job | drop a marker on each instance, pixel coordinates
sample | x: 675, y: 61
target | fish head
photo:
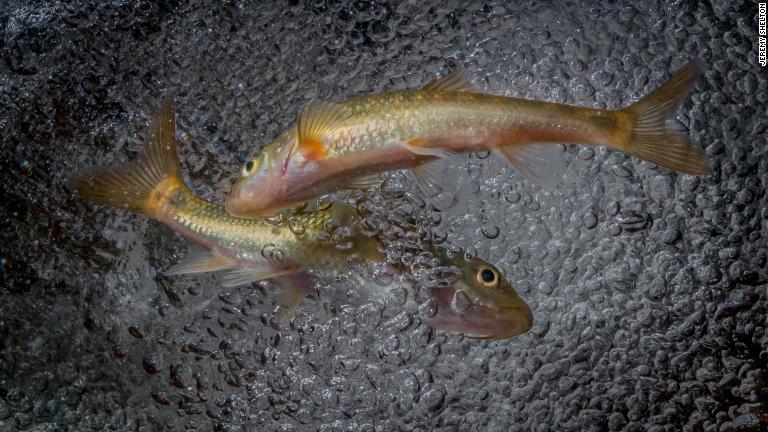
x: 265, y: 186
x: 480, y: 303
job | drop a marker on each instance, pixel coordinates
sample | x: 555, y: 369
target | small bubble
x: 590, y: 220
x: 277, y: 219
x: 152, y: 363
x: 586, y: 153
x: 428, y: 308
x: 272, y: 252
x: 490, y: 232
x: 512, y: 197
x: 433, y: 397
x: 296, y: 226
x: 460, y: 302
x: 135, y: 332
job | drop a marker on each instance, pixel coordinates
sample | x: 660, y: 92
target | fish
x: 247, y: 250
x: 347, y: 145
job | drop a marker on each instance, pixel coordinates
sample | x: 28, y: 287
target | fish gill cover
x: 647, y: 287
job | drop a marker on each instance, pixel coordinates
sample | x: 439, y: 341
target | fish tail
x: 650, y: 136
x: 145, y: 184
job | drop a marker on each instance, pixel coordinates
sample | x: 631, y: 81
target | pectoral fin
x: 246, y: 275
x: 426, y: 147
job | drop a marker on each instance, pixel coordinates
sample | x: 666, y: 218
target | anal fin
x: 427, y: 178
x: 543, y: 164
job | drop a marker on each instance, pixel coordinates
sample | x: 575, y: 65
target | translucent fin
x: 543, y: 164
x: 199, y: 262
x: 294, y: 287
x: 343, y: 213
x: 422, y: 147
x: 458, y: 80
x: 315, y: 120
x: 351, y: 288
x: 365, y: 182
x: 427, y: 178
x: 246, y: 275
x: 143, y: 184
x: 652, y: 140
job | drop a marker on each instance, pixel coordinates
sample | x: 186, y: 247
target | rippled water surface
x: 648, y: 287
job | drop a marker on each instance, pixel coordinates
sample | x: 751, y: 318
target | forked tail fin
x: 144, y: 184
x: 652, y: 139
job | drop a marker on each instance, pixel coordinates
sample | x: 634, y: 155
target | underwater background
x: 648, y: 287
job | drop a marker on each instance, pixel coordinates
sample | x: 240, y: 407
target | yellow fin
x: 144, y: 184
x: 457, y: 80
x: 199, y: 262
x: 652, y: 140
x: 315, y: 120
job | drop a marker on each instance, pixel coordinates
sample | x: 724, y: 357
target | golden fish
x: 342, y: 145
x: 255, y: 249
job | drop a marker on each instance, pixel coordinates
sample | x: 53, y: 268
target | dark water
x: 648, y: 287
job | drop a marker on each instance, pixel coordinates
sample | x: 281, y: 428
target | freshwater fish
x: 343, y: 145
x: 249, y: 250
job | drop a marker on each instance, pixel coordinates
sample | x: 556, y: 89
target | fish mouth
x: 250, y: 199
x: 234, y: 202
x: 483, y: 321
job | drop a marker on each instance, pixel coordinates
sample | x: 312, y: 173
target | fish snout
x: 236, y: 203
x: 513, y: 321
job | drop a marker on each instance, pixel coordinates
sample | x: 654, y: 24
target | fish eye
x: 487, y: 276
x: 250, y: 166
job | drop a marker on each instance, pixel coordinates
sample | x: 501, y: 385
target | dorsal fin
x: 458, y: 80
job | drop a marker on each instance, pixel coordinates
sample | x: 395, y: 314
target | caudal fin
x: 143, y: 184
x: 651, y: 137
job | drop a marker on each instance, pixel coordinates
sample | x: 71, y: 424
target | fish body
x: 341, y: 145
x: 319, y: 245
